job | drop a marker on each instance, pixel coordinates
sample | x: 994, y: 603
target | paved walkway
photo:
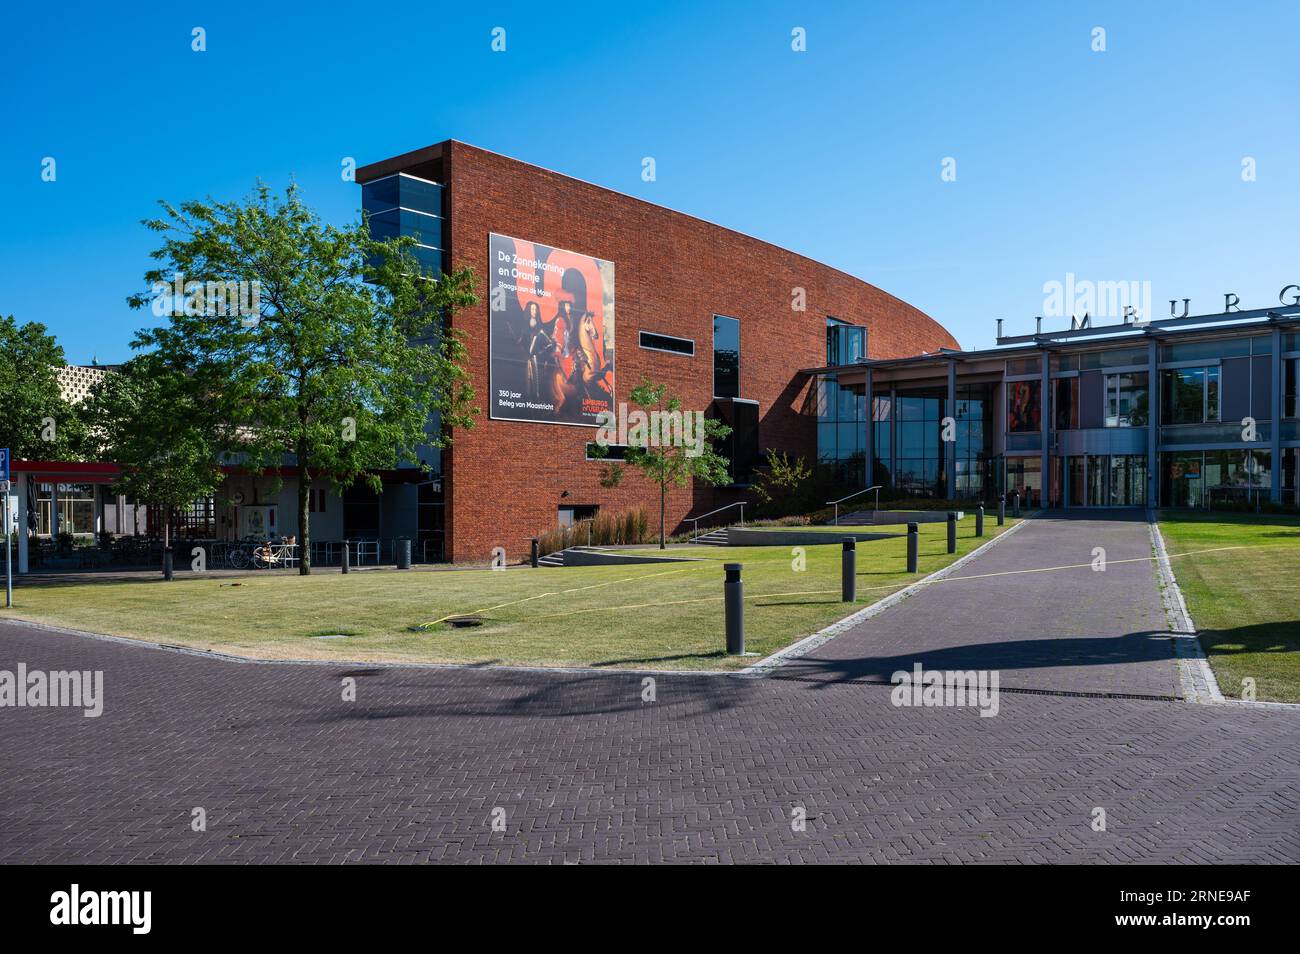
x: 1035, y: 609
x: 584, y: 770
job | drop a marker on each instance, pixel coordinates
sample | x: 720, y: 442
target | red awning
x: 68, y: 471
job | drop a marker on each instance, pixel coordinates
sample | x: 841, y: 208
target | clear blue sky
x: 1116, y: 166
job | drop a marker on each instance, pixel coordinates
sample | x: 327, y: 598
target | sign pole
x: 9, y: 554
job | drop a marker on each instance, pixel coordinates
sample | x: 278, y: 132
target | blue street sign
x: 4, y: 463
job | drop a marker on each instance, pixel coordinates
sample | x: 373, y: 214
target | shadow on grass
x: 826, y: 602
x: 1279, y: 637
x: 629, y: 661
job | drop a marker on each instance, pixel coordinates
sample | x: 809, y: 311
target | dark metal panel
x: 1092, y: 400
x: 1261, y: 387
x: 1234, y: 395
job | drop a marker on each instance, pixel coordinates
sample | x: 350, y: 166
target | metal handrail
x: 696, y: 520
x: 875, y: 510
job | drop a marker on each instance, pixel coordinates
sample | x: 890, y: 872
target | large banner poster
x: 551, y: 348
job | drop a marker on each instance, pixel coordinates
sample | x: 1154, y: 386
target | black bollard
x: 734, y: 601
x: 533, y: 559
x: 979, y: 520
x: 849, y: 571
x: 403, y: 554
x: 1002, y: 510
x: 347, y: 557
x: 167, y: 563
x: 1015, y: 505
x: 952, y: 531
x: 913, y: 530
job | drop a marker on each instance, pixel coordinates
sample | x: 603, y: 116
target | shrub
x: 607, y: 528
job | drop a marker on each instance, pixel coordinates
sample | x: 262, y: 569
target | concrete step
x: 714, y: 538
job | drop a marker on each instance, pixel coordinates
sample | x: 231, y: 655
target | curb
x: 1199, y: 683
x: 769, y: 664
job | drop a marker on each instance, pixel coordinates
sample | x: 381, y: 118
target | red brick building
x: 674, y: 282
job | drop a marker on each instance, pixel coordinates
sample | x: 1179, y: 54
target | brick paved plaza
x: 712, y: 771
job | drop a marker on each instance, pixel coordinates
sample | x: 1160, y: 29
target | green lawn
x: 1244, y: 601
x: 656, y: 616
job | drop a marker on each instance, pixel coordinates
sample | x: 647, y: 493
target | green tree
x: 340, y: 364
x: 35, y: 422
x: 784, y: 477
x: 663, y: 453
x: 151, y: 421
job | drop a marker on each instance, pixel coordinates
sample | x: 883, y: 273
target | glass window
x: 1076, y: 481
x: 425, y: 229
x: 845, y: 343
x: 1190, y: 395
x: 1024, y: 476
x: 1098, y: 486
x: 1122, y: 358
x: 1200, y: 350
x: 852, y: 399
x: 1128, y: 480
x: 1290, y: 471
x: 827, y: 397
x: 420, y: 194
x: 1066, y: 403
x: 826, y: 442
x: 658, y: 342
x: 379, y: 195
x: 1126, y: 399
x: 1024, y: 412
x: 726, y: 357
x: 76, y: 508
x: 1024, y: 366
x: 1181, y: 479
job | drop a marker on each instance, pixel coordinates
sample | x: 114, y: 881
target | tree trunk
x: 663, y: 494
x: 304, y: 526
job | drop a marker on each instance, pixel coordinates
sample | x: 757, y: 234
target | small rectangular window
x: 609, y: 452
x: 657, y: 342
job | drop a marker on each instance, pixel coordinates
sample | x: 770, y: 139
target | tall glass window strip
x: 726, y: 357
x: 974, y: 444
x: 919, y: 461
x: 841, y: 429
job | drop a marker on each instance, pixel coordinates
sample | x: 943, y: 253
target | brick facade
x: 673, y: 273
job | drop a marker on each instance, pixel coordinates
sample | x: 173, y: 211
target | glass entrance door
x: 1107, y: 480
